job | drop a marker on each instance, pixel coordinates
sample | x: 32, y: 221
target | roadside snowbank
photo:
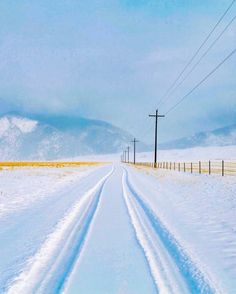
x: 21, y: 187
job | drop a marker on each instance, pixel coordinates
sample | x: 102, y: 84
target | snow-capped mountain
x: 220, y: 137
x: 52, y: 137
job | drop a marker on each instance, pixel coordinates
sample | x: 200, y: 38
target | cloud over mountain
x: 50, y: 137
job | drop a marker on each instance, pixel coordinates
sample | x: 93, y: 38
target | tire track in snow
x: 172, y: 269
x: 48, y: 270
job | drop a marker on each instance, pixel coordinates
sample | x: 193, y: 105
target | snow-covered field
x: 116, y: 229
x: 192, y: 154
x: 178, y: 155
x: 22, y: 187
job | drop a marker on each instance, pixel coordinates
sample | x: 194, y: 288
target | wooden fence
x: 220, y: 167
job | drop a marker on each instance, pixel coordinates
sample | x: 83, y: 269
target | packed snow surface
x: 116, y: 229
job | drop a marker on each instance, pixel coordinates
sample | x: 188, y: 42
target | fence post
x: 184, y: 167
x: 223, y: 168
x: 209, y: 167
x: 191, y: 167
x: 179, y: 166
x: 200, y: 167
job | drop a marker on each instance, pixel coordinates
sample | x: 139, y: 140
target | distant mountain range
x: 219, y: 137
x: 42, y: 137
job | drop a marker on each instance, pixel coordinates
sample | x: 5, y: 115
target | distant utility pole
x: 125, y: 155
x: 134, y: 141
x: 156, y: 116
x: 128, y: 152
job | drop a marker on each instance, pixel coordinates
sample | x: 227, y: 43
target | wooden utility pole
x: 134, y: 141
x: 156, y: 121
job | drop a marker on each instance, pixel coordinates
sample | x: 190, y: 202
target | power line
x: 201, y: 58
x: 202, y: 81
x: 197, y: 51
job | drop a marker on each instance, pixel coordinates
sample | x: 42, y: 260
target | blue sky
x: 114, y: 60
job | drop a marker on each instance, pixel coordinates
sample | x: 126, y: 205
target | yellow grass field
x: 47, y: 164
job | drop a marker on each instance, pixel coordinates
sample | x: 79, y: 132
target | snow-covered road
x: 120, y: 229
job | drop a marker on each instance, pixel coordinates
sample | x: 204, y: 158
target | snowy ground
x: 21, y: 187
x: 192, y: 154
x: 178, y: 155
x: 116, y: 229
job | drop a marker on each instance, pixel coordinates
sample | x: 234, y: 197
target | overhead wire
x: 173, y: 86
x: 197, y: 51
x: 201, y: 81
x: 200, y: 59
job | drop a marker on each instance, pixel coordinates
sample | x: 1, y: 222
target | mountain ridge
x: 44, y: 137
x: 223, y: 136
